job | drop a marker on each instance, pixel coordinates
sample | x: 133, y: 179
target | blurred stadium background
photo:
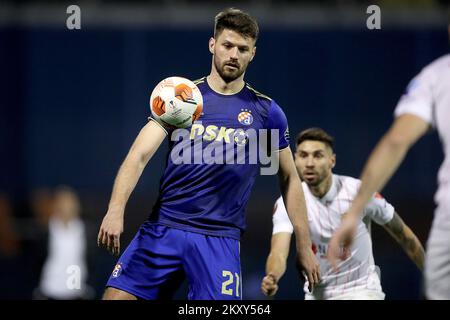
x: 72, y: 102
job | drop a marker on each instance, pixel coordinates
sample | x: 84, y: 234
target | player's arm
x: 407, y: 240
x: 294, y: 201
x: 381, y: 165
x: 147, y: 142
x: 276, y: 262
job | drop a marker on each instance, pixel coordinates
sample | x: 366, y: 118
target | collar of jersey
x: 331, y: 194
x: 222, y: 94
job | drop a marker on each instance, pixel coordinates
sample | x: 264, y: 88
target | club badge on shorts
x: 117, y: 270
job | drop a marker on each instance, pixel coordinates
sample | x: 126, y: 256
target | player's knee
x: 117, y: 294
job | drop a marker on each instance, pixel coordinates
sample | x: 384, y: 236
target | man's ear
x: 333, y: 160
x: 253, y: 53
x: 211, y: 44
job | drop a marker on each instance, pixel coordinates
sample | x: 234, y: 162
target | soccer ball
x: 176, y: 102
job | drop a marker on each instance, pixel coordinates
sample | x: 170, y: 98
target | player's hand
x: 341, y: 241
x: 269, y: 285
x: 110, y: 231
x: 309, y: 266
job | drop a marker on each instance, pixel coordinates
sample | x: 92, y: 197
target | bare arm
x: 382, y: 163
x: 294, y: 200
x: 407, y: 240
x: 276, y: 262
x: 147, y: 142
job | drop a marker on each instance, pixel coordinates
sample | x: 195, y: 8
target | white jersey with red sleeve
x: 428, y: 97
x: 356, y: 274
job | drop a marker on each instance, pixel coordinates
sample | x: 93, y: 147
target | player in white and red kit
x: 328, y: 196
x: 425, y: 105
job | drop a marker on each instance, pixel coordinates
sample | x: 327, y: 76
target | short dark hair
x: 316, y: 134
x: 236, y: 20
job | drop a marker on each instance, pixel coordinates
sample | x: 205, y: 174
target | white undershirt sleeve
x: 379, y: 210
x: 280, y: 219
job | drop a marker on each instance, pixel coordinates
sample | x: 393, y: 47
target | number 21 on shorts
x: 231, y: 284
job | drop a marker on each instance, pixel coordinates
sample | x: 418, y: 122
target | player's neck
x: 216, y: 83
x: 322, y: 189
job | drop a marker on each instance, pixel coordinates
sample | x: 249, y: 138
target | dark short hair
x: 316, y: 134
x: 236, y: 20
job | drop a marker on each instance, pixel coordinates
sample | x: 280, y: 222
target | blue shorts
x: 159, y: 258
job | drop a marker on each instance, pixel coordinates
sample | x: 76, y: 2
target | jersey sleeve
x: 280, y: 219
x: 379, y: 210
x: 418, y: 98
x: 277, y: 121
x: 167, y: 130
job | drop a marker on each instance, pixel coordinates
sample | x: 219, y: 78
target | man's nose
x: 309, y: 162
x: 234, y: 53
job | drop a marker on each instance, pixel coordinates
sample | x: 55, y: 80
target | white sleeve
x: 418, y: 98
x: 379, y: 210
x: 281, y: 221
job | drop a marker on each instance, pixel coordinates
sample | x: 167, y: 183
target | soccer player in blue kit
x: 195, y: 226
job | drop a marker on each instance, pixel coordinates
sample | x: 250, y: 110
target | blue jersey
x: 210, y: 198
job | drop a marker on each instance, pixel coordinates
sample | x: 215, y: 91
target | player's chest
x: 227, y: 120
x: 234, y: 113
x: 325, y: 217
